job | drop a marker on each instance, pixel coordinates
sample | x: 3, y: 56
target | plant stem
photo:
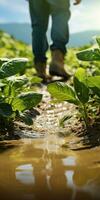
x: 85, y: 116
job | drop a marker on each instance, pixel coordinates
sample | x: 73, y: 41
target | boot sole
x: 53, y: 73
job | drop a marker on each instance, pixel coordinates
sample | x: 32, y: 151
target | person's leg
x: 39, y: 13
x: 60, y: 36
x: 60, y: 12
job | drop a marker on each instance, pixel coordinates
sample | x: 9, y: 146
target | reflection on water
x: 69, y: 161
x: 24, y: 174
x: 40, y: 169
x: 69, y: 177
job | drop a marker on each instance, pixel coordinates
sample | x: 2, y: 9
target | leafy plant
x: 79, y: 94
x: 82, y: 92
x: 12, y: 67
x: 91, y: 56
x: 94, y: 84
x: 15, y: 94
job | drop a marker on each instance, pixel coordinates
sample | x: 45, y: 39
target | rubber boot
x: 57, y: 65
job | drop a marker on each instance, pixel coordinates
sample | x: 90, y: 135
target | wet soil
x: 47, y: 120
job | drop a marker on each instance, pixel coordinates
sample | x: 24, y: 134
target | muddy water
x: 40, y: 169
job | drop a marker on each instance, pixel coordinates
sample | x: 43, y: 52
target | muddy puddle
x: 40, y: 169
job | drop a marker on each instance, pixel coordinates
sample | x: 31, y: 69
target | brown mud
x: 47, y: 120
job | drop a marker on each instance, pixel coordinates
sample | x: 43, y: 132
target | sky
x: 85, y: 16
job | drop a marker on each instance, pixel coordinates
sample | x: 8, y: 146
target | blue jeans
x: 40, y: 10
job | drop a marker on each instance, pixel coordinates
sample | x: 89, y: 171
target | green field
x: 19, y: 85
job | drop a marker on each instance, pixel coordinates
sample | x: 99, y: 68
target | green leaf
x: 94, y: 84
x: 6, y: 90
x: 36, y: 79
x: 2, y: 84
x: 80, y: 85
x: 2, y: 74
x: 98, y: 40
x: 63, y: 119
x: 26, y: 101
x: 18, y: 82
x: 62, y: 92
x: 96, y: 72
x: 3, y: 60
x: 5, y: 110
x: 26, y: 118
x: 89, y: 55
x: 13, y: 67
x: 14, y: 85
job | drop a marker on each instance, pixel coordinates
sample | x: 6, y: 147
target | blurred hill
x: 11, y: 47
x: 22, y: 31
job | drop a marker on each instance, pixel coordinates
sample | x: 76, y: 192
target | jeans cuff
x: 62, y: 49
x: 42, y: 59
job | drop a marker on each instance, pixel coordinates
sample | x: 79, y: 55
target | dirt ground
x: 47, y: 120
x: 47, y: 116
